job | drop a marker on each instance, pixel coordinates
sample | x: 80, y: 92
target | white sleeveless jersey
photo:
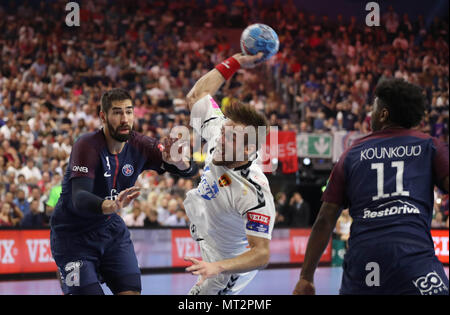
x: 228, y: 204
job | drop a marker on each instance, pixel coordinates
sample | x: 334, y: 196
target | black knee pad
x: 130, y: 282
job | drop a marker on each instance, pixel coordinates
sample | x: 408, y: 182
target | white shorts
x: 222, y: 284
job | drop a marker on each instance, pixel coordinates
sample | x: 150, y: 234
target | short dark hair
x: 405, y: 101
x: 246, y: 115
x: 113, y: 95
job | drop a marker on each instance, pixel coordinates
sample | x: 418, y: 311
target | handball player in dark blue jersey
x: 386, y: 179
x: 89, y: 240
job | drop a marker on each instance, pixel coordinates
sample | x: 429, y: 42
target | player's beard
x: 115, y: 132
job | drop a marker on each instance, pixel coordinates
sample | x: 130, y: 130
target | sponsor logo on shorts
x: 224, y: 180
x: 127, y: 170
x: 430, y: 284
x: 258, y: 222
x: 391, y: 208
x: 73, y: 265
x: 72, y: 269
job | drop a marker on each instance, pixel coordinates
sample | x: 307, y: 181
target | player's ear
x: 384, y: 115
x: 102, y: 116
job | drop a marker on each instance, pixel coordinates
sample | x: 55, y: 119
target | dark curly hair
x: 405, y: 101
x: 113, y: 95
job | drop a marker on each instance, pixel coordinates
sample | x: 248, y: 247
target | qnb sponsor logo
x: 390, y: 152
x: 430, y: 284
x: 6, y: 252
x: 82, y: 169
x: 391, y: 208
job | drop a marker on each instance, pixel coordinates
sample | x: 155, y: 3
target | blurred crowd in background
x: 322, y: 80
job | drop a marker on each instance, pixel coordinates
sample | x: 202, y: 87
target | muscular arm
x: 83, y: 198
x: 207, y: 84
x: 319, y: 238
x: 213, y: 80
x: 86, y: 202
x: 256, y: 258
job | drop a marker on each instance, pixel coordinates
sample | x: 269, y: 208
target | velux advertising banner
x: 28, y: 251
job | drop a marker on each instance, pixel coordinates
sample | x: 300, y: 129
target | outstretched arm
x: 256, y: 258
x: 85, y: 201
x: 213, y: 80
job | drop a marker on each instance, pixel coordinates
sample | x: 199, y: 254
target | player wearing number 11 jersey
x: 386, y: 179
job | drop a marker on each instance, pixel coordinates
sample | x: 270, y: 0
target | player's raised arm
x: 213, y: 80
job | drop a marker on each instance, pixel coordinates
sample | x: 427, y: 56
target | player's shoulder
x: 205, y: 100
x: 94, y: 139
x: 136, y: 136
x: 138, y: 139
x: 393, y: 133
x: 254, y: 174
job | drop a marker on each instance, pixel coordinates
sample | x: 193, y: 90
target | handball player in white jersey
x: 232, y: 210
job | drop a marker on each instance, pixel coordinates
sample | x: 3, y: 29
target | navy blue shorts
x: 102, y: 255
x: 394, y: 269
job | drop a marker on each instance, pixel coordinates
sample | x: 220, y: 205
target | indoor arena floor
x: 266, y: 282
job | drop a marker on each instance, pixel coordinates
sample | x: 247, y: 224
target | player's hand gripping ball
x: 259, y: 38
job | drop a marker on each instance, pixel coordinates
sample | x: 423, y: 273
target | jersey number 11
x: 400, y: 166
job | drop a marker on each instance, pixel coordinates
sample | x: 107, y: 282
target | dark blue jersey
x: 386, y: 179
x: 111, y: 173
